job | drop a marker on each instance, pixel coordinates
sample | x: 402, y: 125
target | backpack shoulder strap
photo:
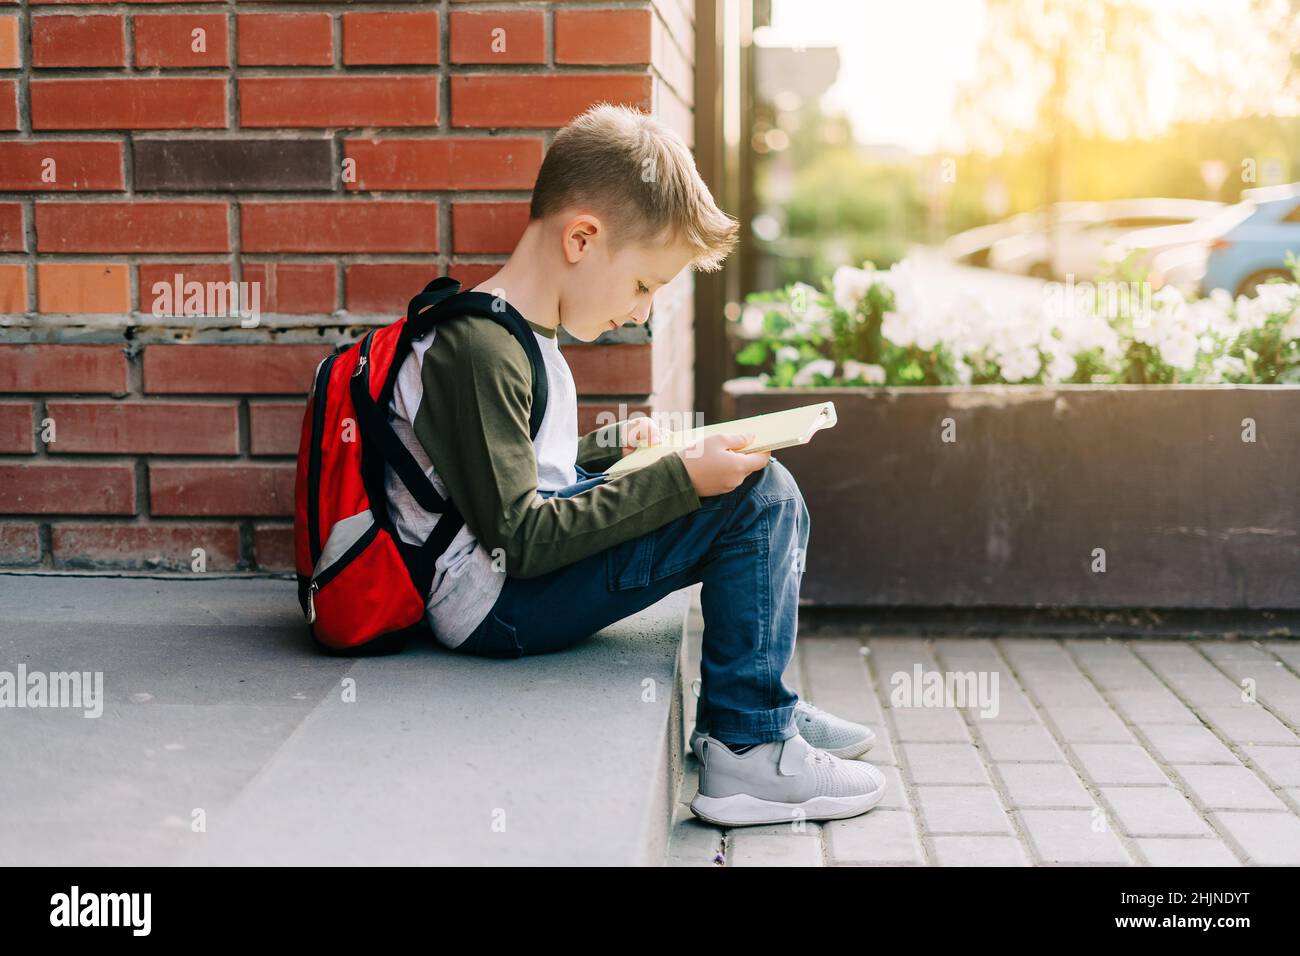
x: 484, y: 305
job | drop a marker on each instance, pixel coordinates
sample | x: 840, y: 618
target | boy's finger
x: 739, y: 439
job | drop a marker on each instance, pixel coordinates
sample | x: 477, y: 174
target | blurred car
x: 1084, y: 252
x: 1182, y: 267
x: 972, y: 247
x: 1174, y: 254
x: 1087, y: 234
x: 1029, y: 252
x: 1254, y: 250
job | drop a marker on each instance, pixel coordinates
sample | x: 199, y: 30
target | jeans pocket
x: 495, y: 637
x: 628, y: 565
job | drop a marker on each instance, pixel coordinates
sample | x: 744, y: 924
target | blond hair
x: 641, y: 176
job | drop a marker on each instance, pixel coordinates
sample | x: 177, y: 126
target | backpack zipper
x: 328, y: 574
x: 313, y: 466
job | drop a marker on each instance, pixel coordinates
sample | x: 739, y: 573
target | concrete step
x: 217, y: 705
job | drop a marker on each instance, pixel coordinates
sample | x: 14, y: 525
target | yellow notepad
x: 793, y: 426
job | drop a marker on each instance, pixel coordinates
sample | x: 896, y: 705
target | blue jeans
x: 747, y: 548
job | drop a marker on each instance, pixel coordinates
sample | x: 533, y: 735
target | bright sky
x: 902, y: 61
x: 921, y: 46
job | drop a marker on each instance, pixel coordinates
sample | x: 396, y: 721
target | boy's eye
x: 641, y: 289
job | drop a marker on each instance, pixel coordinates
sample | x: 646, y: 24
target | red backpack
x: 359, y: 584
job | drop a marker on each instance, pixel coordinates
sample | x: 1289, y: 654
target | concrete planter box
x: 1011, y: 513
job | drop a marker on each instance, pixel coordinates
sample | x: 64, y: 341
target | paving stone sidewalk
x: 1101, y: 752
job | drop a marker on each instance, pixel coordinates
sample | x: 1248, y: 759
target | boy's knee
x: 778, y: 484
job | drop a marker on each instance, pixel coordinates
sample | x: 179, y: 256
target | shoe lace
x: 821, y: 756
x: 813, y: 712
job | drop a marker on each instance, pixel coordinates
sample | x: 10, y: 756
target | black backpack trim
x: 439, y: 302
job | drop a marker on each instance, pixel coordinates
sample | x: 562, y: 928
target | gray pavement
x: 1101, y: 752
x: 225, y: 737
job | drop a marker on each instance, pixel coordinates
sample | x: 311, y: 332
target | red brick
x: 603, y: 36
x: 159, y: 428
x: 385, y: 287
x: 12, y: 236
x: 129, y: 103
x: 132, y: 227
x: 10, y: 54
x: 73, y: 164
x: 145, y: 547
x: 296, y: 288
x: 167, y: 40
x: 20, y: 544
x: 444, y: 163
x: 390, y: 38
x: 273, y: 547
x: 219, y: 490
x: 102, y: 288
x: 487, y: 226
x: 81, y: 489
x: 148, y: 274
x: 478, y: 37
x: 231, y: 369
x: 354, y: 100
x: 16, y: 432
x: 86, y: 2
x: 8, y: 104
x: 487, y: 100
x: 274, y: 427
x: 13, y: 288
x: 285, y: 39
x: 72, y: 40
x: 611, y: 369
x: 339, y: 226
x: 82, y: 369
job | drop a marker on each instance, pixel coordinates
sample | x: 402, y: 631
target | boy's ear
x: 579, y: 234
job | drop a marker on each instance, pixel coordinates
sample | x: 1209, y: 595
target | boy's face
x: 605, y: 288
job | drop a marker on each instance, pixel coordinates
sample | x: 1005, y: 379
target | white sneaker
x: 779, y: 782
x: 823, y: 730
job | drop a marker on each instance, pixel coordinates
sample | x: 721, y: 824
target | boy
x: 552, y: 549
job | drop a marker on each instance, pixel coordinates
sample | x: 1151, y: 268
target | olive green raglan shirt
x: 473, y: 424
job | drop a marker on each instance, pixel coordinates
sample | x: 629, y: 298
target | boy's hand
x: 641, y: 431
x: 716, y: 468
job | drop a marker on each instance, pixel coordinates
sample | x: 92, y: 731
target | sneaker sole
x: 743, y: 809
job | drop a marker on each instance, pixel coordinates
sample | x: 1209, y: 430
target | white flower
x: 1020, y: 364
x: 870, y: 374
x: 751, y: 321
x: 787, y: 353
x: 816, y: 367
x: 1168, y: 299
x: 850, y: 286
x: 1060, y: 368
x: 1274, y: 298
x: 1179, y: 351
x: 916, y: 319
x: 1229, y: 366
x: 897, y: 328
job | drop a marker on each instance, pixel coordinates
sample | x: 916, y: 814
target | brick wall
x: 340, y: 155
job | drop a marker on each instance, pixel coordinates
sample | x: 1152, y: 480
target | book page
x: 792, y: 426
